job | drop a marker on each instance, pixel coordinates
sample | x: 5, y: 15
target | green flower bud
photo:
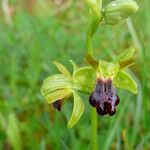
x: 119, y: 10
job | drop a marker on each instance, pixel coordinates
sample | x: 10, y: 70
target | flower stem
x: 58, y: 137
x: 94, y: 129
x: 94, y: 21
x: 93, y: 111
x: 99, y: 3
x: 89, y: 45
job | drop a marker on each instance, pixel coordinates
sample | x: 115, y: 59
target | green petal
x: 56, y: 95
x: 124, y: 80
x: 75, y: 67
x: 62, y: 69
x: 125, y: 59
x: 53, y: 83
x: 85, y: 78
x: 92, y: 61
x: 78, y: 109
x: 107, y: 69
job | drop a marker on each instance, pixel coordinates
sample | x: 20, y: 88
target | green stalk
x: 93, y: 111
x: 94, y: 21
x: 100, y: 4
x: 93, y: 6
x: 58, y: 137
x: 94, y: 129
x: 89, y: 45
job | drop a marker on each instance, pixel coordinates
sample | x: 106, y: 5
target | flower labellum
x: 104, y: 97
x: 58, y: 104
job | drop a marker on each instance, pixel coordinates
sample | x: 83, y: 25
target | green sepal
x: 124, y: 80
x: 53, y: 83
x: 85, y: 78
x: 107, y: 69
x: 126, y: 58
x: 57, y: 95
x: 62, y: 69
x: 78, y: 109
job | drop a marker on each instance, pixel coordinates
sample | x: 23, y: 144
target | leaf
x: 124, y: 80
x: 85, y: 78
x: 107, y: 69
x: 125, y: 59
x: 62, y: 69
x: 13, y: 132
x: 78, y: 109
x: 56, y: 95
x: 53, y: 83
x: 2, y: 121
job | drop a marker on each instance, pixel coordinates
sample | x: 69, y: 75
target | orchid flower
x: 99, y: 80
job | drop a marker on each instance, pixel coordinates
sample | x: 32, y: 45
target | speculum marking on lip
x: 104, y: 97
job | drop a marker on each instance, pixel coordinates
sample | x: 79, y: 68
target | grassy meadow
x: 33, y: 33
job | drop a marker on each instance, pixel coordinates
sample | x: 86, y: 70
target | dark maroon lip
x: 104, y: 98
x: 58, y: 104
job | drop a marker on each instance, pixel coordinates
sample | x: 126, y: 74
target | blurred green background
x: 33, y: 33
